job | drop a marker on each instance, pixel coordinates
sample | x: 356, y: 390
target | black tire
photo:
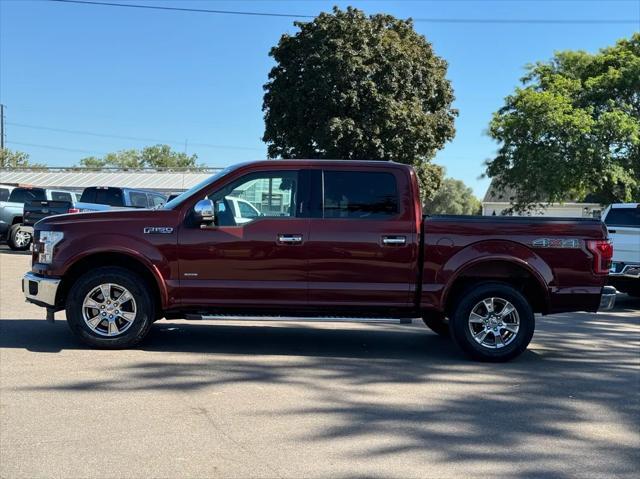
x: 437, y: 323
x: 144, y: 308
x: 14, y: 243
x: 460, y: 327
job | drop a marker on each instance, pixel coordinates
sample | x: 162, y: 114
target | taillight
x: 602, y: 253
x: 73, y: 210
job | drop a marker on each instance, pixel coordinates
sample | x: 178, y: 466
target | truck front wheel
x: 110, y: 308
x: 492, y: 322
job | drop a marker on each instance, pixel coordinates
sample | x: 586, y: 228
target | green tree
x: 453, y: 198
x: 572, y: 129
x: 157, y: 156
x: 351, y: 86
x: 16, y: 159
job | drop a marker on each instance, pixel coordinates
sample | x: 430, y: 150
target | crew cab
x: 623, y: 222
x: 335, y: 240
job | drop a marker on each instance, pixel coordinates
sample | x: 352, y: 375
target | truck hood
x: 86, y: 220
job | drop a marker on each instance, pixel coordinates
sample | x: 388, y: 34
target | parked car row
x: 21, y: 207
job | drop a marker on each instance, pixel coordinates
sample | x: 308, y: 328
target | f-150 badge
x: 158, y: 230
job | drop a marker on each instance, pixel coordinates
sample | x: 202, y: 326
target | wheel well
x: 16, y: 220
x: 499, y: 271
x: 98, y: 260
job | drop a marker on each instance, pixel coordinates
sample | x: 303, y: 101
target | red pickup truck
x: 319, y: 240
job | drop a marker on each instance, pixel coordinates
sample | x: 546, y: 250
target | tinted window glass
x: 361, y: 195
x: 138, y: 200
x: 4, y: 194
x: 111, y: 197
x: 270, y: 193
x: 88, y: 195
x: 623, y: 217
x: 60, y: 196
x: 103, y: 196
x: 24, y: 195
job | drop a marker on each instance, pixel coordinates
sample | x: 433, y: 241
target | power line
x: 133, y: 138
x: 51, y: 147
x: 420, y: 20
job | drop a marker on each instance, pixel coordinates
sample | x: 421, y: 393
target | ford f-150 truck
x: 334, y: 240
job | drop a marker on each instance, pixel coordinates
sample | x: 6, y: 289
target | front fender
x: 150, y: 256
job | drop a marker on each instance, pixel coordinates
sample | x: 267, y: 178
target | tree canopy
x: 157, y: 156
x: 351, y: 86
x: 573, y: 129
x: 16, y: 159
x: 453, y: 198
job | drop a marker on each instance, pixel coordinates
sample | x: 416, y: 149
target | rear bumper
x: 608, y: 298
x: 40, y: 290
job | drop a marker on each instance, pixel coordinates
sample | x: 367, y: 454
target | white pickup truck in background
x: 623, y: 223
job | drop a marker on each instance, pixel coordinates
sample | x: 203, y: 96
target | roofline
x: 205, y: 169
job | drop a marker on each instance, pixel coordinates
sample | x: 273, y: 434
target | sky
x: 81, y: 80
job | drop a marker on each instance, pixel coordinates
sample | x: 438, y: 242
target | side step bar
x: 321, y: 319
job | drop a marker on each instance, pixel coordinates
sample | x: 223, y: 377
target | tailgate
x: 36, y: 210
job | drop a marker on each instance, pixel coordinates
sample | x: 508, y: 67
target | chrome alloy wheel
x: 494, y: 323
x: 22, y: 239
x: 109, y: 309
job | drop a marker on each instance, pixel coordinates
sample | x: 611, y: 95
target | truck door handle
x: 290, y: 239
x: 391, y: 240
x: 612, y: 231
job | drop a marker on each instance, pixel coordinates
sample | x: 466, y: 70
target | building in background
x: 496, y: 202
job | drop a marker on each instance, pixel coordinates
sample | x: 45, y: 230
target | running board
x: 318, y: 319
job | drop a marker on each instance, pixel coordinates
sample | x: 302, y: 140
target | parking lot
x: 200, y: 399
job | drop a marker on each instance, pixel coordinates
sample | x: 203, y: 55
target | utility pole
x: 1, y: 126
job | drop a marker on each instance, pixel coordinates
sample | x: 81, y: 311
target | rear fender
x: 486, y: 252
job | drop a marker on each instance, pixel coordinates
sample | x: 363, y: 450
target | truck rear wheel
x: 110, y: 308
x: 17, y: 239
x: 492, y: 322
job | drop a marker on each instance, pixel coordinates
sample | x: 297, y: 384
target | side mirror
x: 204, y: 211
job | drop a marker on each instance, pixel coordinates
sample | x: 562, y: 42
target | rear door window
x: 359, y: 195
x: 623, y: 217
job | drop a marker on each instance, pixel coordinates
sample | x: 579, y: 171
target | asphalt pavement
x: 242, y: 400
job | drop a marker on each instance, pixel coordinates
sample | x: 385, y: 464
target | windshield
x: 183, y: 196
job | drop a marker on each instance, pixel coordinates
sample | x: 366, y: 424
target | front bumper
x: 40, y: 290
x: 608, y: 298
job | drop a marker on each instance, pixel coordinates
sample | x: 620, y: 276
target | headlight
x: 48, y: 240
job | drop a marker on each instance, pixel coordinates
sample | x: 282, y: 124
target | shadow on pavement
x: 577, y: 366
